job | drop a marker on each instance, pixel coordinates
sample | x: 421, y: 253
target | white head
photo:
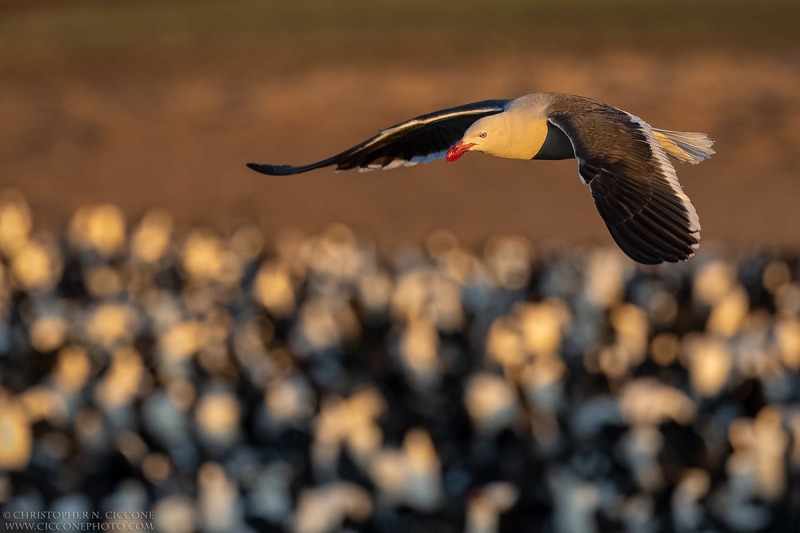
x: 486, y: 135
x: 513, y: 134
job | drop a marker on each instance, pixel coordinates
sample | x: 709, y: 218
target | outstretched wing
x: 419, y: 140
x: 633, y: 184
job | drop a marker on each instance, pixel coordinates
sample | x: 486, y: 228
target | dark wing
x: 418, y: 140
x: 633, y: 184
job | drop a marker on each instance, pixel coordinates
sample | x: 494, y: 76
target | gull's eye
x: 482, y: 135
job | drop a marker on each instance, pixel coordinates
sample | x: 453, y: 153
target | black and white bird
x: 620, y: 157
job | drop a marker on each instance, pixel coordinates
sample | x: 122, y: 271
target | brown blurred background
x: 162, y: 103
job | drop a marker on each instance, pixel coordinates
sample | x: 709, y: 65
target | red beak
x: 458, y: 150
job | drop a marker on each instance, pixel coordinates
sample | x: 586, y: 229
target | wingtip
x: 264, y: 169
x: 270, y: 170
x: 287, y: 170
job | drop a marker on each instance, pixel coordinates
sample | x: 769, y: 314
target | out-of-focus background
x: 145, y: 103
x: 186, y: 345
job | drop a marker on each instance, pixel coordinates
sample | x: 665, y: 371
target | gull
x: 622, y: 159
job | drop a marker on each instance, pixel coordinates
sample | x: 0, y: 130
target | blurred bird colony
x: 243, y: 380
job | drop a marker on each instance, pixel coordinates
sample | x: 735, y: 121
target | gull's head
x: 482, y: 136
x: 513, y: 134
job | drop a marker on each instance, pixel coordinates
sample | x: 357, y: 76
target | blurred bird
x: 620, y: 157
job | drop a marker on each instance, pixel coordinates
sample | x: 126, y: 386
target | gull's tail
x: 687, y: 147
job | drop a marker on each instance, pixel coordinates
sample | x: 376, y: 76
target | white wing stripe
x: 668, y: 172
